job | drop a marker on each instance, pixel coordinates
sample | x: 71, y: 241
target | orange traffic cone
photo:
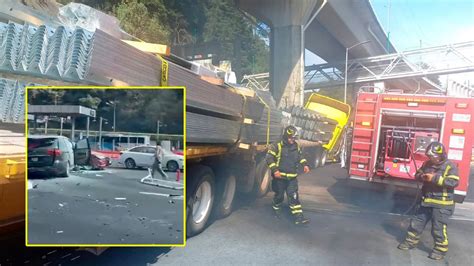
x: 178, y: 174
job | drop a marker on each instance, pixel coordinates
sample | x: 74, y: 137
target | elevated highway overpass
x: 324, y: 27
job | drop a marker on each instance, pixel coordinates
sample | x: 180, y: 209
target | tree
x: 239, y: 41
x: 136, y: 20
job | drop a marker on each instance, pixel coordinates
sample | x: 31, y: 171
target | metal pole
x: 100, y: 133
x: 115, y: 104
x: 345, y: 76
x: 61, y: 128
x: 73, y: 127
x: 157, y: 131
x: 46, y: 125
x: 88, y: 124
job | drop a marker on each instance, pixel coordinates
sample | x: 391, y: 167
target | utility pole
x: 388, y: 25
x: 157, y: 131
x: 61, y: 128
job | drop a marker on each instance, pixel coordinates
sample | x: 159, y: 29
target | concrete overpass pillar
x: 286, y: 19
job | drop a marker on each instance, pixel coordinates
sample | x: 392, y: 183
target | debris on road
x: 59, y: 232
x: 120, y: 198
x: 61, y: 205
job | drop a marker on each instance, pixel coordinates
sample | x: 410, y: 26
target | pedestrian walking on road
x: 440, y: 177
x: 283, y: 158
x: 159, y: 154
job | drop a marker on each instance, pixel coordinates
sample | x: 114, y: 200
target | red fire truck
x: 392, y: 131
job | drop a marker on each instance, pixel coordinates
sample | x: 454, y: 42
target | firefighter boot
x: 434, y: 255
x: 276, y: 210
x: 300, y: 219
x: 405, y: 245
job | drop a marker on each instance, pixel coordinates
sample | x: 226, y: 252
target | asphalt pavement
x: 352, y: 223
x: 103, y: 207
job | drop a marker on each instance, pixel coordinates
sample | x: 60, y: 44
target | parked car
x: 56, y: 155
x: 144, y: 156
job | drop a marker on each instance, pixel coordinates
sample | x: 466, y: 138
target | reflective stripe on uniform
x: 448, y: 167
x: 279, y: 152
x: 272, y: 152
x: 441, y: 202
x: 288, y: 175
x: 442, y: 249
x: 440, y: 181
x: 295, y: 207
x: 303, y: 160
x: 275, y: 207
x: 296, y: 211
x: 445, y: 234
x: 272, y: 165
x: 455, y: 177
x: 413, y: 235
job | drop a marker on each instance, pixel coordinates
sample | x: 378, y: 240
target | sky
x: 433, y: 22
x: 423, y: 23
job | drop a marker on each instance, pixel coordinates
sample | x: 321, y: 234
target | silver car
x: 144, y: 156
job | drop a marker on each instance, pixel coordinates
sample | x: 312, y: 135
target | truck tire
x: 226, y: 185
x: 318, y: 156
x: 324, y: 155
x: 199, y: 199
x: 262, y: 179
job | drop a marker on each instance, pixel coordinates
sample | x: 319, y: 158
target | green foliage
x: 136, y: 20
x: 237, y: 36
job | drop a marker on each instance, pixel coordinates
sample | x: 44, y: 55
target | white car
x: 144, y: 156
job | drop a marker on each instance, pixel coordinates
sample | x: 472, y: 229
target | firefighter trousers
x: 280, y: 186
x: 439, y: 227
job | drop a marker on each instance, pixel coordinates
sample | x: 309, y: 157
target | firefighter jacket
x: 286, y: 158
x: 439, y: 192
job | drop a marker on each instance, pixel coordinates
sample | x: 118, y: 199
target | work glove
x: 277, y: 174
x: 306, y: 169
x: 428, y: 177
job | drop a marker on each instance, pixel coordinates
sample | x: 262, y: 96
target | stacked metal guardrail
x: 315, y: 126
x: 215, y: 113
x: 56, y: 53
x: 12, y: 101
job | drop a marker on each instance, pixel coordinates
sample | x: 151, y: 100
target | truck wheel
x: 226, y: 187
x: 317, y: 160
x: 262, y: 179
x: 324, y: 155
x: 200, y: 198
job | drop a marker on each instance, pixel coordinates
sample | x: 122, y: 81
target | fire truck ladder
x: 418, y: 63
x: 365, y: 130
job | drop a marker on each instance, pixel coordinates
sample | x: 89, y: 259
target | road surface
x: 352, y: 223
x: 103, y: 207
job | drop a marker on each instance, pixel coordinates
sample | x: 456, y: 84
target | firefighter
x: 440, y: 177
x: 283, y: 158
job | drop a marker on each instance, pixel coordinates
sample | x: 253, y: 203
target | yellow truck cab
x: 335, y: 110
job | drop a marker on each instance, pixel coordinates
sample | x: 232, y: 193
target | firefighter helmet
x: 436, y: 149
x: 290, y: 132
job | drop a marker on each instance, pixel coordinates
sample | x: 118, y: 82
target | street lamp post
x: 347, y: 59
x: 114, y: 104
x: 100, y: 131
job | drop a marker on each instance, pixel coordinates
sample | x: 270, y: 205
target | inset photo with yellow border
x: 106, y: 166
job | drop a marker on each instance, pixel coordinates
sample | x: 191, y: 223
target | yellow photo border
x: 105, y: 88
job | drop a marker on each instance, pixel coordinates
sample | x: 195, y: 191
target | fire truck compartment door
x: 405, y: 113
